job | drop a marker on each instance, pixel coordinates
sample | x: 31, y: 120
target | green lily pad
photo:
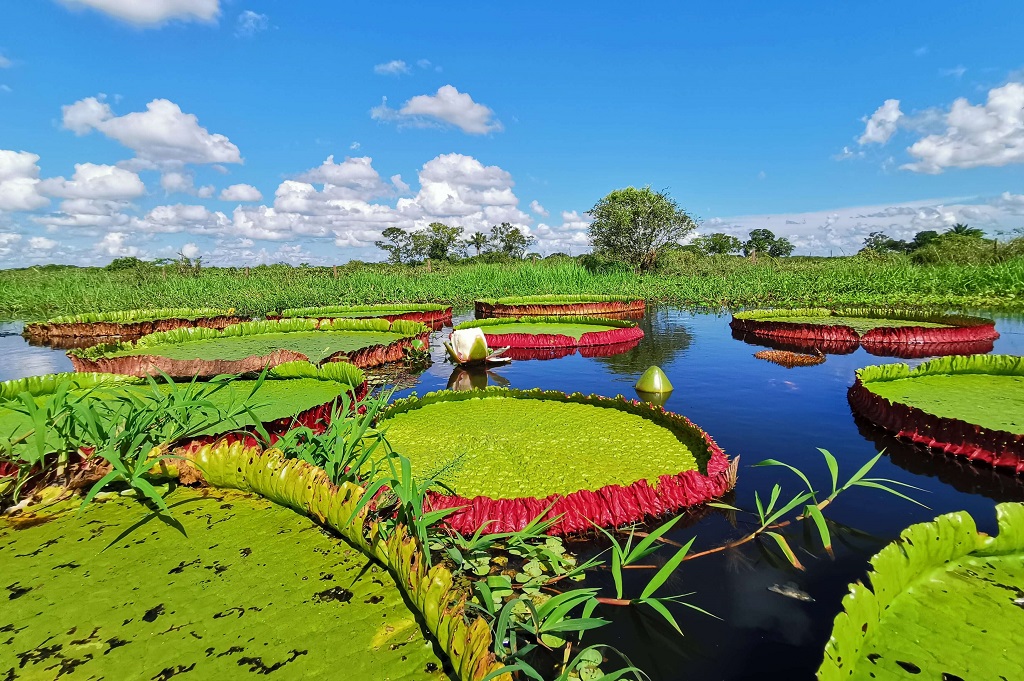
x: 945, y: 602
x: 253, y: 589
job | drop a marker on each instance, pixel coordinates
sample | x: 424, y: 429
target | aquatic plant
x: 249, y: 347
x: 964, y: 406
x: 790, y: 359
x: 467, y: 347
x: 594, y: 470
x: 555, y: 331
x: 944, y: 602
x: 131, y: 322
x: 557, y: 305
x: 414, y: 312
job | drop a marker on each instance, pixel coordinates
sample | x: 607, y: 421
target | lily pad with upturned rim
x: 965, y: 406
x: 133, y: 323
x: 251, y: 346
x: 562, y: 305
x: 884, y: 332
x: 424, y: 313
x: 555, y: 331
x: 509, y: 455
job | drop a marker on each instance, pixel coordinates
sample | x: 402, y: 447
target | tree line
x: 442, y: 242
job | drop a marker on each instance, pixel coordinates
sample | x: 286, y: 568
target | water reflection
x: 846, y: 347
x: 665, y: 338
x: 475, y: 378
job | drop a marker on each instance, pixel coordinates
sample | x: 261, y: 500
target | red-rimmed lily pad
x: 130, y: 323
x: 966, y: 406
x: 900, y: 333
x: 559, y: 305
x: 510, y: 455
x: 555, y: 333
x: 249, y: 347
x: 424, y: 313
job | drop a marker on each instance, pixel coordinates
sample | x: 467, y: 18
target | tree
x: 635, y: 225
x: 398, y: 244
x: 781, y: 248
x: 765, y: 242
x: 127, y: 263
x: 479, y: 241
x: 961, y: 229
x: 717, y: 244
x: 922, y: 239
x: 880, y: 242
x: 440, y: 242
x: 510, y: 240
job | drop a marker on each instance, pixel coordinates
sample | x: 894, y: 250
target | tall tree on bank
x: 718, y: 244
x: 635, y: 225
x: 478, y: 241
x: 441, y: 242
x: 510, y: 240
x: 398, y: 244
x: 764, y: 242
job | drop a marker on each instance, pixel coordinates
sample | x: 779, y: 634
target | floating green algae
x: 859, y: 324
x: 253, y: 590
x: 316, y: 345
x: 507, y: 447
x: 995, y: 402
x: 946, y: 602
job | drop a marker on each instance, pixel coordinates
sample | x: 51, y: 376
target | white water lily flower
x: 469, y: 346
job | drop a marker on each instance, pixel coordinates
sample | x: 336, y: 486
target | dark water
x: 755, y: 410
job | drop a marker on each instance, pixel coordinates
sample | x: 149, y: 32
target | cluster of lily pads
x: 467, y: 528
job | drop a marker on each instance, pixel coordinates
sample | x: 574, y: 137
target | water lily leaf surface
x: 253, y: 591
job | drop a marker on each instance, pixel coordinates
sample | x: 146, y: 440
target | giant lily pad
x: 967, y: 406
x: 251, y: 589
x: 251, y: 346
x: 560, y: 305
x: 553, y: 333
x: 132, y: 323
x: 899, y: 333
x: 430, y: 314
x: 510, y: 455
x: 945, y: 602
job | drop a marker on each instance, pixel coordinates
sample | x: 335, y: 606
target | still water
x: 754, y: 410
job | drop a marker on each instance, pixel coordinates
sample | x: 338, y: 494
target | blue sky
x: 148, y: 127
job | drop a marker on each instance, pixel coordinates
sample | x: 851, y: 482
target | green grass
x: 506, y: 447
x: 991, y: 401
x: 37, y: 293
x: 316, y: 345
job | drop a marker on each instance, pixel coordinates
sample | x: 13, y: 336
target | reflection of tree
x: 664, y: 338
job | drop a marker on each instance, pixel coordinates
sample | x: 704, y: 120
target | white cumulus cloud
x: 241, y: 192
x: 152, y: 12
x: 94, y: 181
x: 19, y: 181
x: 447, y: 107
x: 161, y: 134
x: 989, y: 134
x: 881, y: 126
x: 538, y: 209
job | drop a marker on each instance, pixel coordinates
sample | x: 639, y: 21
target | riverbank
x: 714, y: 282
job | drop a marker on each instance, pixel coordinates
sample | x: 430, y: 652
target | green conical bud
x: 654, y: 380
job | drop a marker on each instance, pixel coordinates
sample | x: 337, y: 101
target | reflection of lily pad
x: 253, y: 589
x: 253, y: 345
x: 967, y: 406
x: 945, y: 602
x: 514, y: 452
